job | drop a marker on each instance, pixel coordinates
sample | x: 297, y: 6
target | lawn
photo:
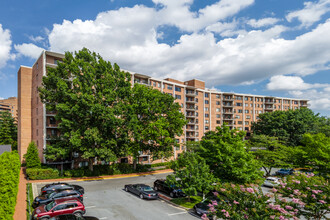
x: 184, y: 201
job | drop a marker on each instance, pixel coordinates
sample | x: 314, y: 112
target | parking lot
x: 107, y: 199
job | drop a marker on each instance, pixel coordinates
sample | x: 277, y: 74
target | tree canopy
x: 289, y: 126
x: 32, y: 159
x: 8, y: 130
x: 225, y: 152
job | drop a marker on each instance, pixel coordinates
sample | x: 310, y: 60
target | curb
x: 102, y: 177
x: 168, y: 200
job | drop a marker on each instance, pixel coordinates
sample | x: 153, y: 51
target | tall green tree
x: 269, y: 152
x: 289, y: 126
x: 8, y: 130
x: 191, y: 174
x: 32, y: 159
x: 225, y: 152
x: 152, y: 121
x: 88, y: 95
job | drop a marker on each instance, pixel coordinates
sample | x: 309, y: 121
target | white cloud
x: 28, y: 50
x: 36, y: 39
x: 1, y: 98
x: 262, y: 22
x: 289, y: 83
x: 5, y: 46
x: 311, y: 13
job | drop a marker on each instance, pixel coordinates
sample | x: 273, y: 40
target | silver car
x: 272, y: 181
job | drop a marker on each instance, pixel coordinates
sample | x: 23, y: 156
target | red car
x: 59, y: 207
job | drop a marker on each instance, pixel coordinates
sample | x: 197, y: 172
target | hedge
x: 10, y: 166
x: 42, y: 174
x: 166, y: 164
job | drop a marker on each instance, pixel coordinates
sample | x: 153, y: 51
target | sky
x: 263, y: 47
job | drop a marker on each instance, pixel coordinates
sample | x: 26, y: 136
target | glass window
x: 206, y: 121
x: 178, y: 96
x: 206, y: 95
x: 218, y: 116
x: 206, y: 101
x: 178, y: 89
x: 206, y: 109
x: 206, y: 127
x: 217, y: 96
x: 169, y: 87
x: 218, y: 122
x: 206, y: 115
x: 217, y: 102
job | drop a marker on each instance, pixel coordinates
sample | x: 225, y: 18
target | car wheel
x: 141, y: 196
x: 126, y: 189
x: 171, y: 194
x: 156, y: 188
x: 78, y: 214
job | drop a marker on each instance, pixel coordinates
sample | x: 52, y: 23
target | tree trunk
x: 90, y: 163
x: 134, y: 163
x: 203, y: 195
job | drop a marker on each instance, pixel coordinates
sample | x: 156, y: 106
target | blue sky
x: 266, y: 47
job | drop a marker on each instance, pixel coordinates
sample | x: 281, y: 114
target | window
x: 154, y: 84
x: 295, y: 102
x: 163, y: 86
x: 239, y: 122
x: 37, y: 121
x: 260, y: 111
x: 177, y: 140
x: 206, y: 127
x: 52, y: 121
x: 246, y: 111
x: 178, y: 89
x: 238, y: 104
x: 196, y: 113
x: 206, y: 95
x: 240, y: 111
x: 248, y: 117
x: 246, y: 123
x: 217, y: 96
x: 238, y: 97
x: 218, y: 122
x: 251, y: 99
x: 206, y: 121
x: 246, y: 98
x: 217, y: 102
x: 206, y: 101
x: 237, y: 116
x: 261, y: 99
x: 206, y: 109
x: 217, y: 116
x: 181, y: 105
x: 178, y: 96
x: 182, y: 147
x: 246, y: 105
x: 169, y: 87
x: 251, y: 105
x: 217, y: 109
x: 206, y: 115
x: 158, y: 85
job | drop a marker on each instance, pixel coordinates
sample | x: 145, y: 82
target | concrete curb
x: 119, y: 176
x: 168, y: 200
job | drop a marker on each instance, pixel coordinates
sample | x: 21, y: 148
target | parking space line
x: 179, y: 213
x: 88, y: 207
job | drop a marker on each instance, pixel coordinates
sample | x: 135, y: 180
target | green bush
x: 166, y: 164
x: 42, y: 174
x: 9, y: 178
x: 32, y: 159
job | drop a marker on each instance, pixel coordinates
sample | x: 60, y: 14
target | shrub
x: 41, y: 174
x: 166, y: 164
x: 9, y: 179
x: 32, y: 159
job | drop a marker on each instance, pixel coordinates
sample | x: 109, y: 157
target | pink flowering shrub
x: 309, y: 195
x: 248, y: 202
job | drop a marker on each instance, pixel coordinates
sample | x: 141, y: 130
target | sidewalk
x: 20, y: 209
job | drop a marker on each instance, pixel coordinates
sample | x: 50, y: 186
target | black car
x: 73, y: 217
x: 161, y: 185
x: 284, y: 172
x: 142, y: 190
x: 47, y: 198
x: 49, y: 188
x: 203, y: 207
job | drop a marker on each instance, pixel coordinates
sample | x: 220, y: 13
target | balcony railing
x: 191, y: 122
x: 189, y: 93
x: 191, y: 101
x: 227, y: 112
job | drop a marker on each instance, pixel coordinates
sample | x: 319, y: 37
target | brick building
x: 205, y: 109
x: 9, y: 105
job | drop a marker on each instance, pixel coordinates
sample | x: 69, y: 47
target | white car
x: 271, y: 182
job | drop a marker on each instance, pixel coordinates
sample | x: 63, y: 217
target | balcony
x: 52, y: 137
x: 191, y: 122
x: 269, y: 102
x: 230, y: 99
x: 191, y: 108
x: 191, y: 101
x: 304, y: 104
x: 51, y: 126
x: 50, y: 113
x: 190, y: 116
x: 191, y: 93
x: 227, y: 112
x: 227, y: 119
x: 227, y: 105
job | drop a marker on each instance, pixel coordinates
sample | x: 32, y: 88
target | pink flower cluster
x: 316, y: 191
x: 225, y: 213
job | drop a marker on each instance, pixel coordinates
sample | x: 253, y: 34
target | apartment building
x: 9, y: 105
x: 205, y: 109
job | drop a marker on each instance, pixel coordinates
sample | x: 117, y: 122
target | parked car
x: 59, y: 207
x: 49, y: 188
x: 73, y: 217
x: 203, y: 207
x: 142, y: 190
x: 161, y: 185
x: 271, y: 182
x: 47, y: 198
x: 284, y: 172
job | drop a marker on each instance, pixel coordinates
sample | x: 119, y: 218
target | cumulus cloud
x: 36, y: 39
x: 262, y: 22
x: 291, y: 83
x: 5, y: 46
x: 311, y: 13
x: 28, y: 50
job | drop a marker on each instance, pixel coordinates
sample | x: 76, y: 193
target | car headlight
x: 35, y: 216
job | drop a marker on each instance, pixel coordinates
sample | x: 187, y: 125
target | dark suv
x: 57, y: 187
x: 66, y: 194
x: 59, y: 207
x: 161, y: 185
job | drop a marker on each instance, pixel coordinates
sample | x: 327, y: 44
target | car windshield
x: 271, y: 180
x: 51, y: 195
x: 50, y: 206
x: 147, y: 189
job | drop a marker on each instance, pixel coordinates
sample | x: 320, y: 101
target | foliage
x: 247, y: 202
x: 188, y: 204
x: 42, y: 174
x: 192, y: 146
x: 161, y: 164
x: 29, y: 198
x: 88, y: 96
x: 9, y: 179
x: 32, y: 159
x: 8, y: 130
x: 224, y: 151
x: 289, y: 126
x: 317, y: 152
x: 269, y: 152
x: 153, y: 120
x: 308, y: 194
x: 191, y: 174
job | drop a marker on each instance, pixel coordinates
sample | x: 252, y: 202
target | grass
x: 29, y: 197
x: 184, y: 201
